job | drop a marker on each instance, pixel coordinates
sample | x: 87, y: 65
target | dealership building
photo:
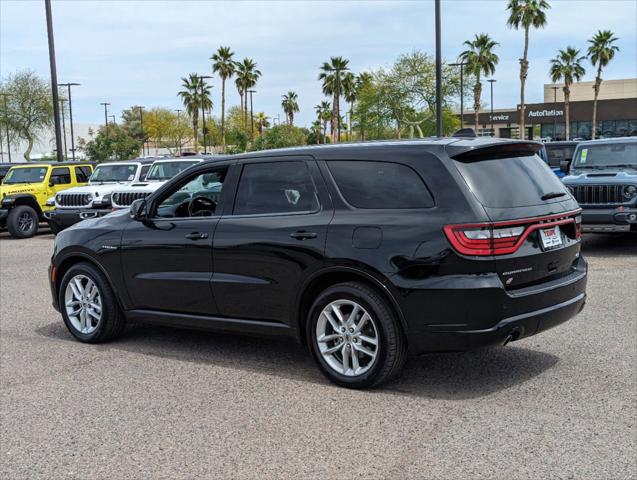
x: 616, y: 113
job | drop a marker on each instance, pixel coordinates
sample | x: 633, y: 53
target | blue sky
x: 134, y: 52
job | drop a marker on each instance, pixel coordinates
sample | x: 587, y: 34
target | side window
x: 275, y: 187
x: 60, y: 176
x: 382, y: 185
x: 144, y: 171
x: 82, y: 174
x: 198, y: 197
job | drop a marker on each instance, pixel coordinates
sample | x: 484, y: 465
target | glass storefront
x: 605, y: 129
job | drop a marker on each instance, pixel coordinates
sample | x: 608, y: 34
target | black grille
x: 598, y: 194
x: 73, y: 199
x: 124, y: 199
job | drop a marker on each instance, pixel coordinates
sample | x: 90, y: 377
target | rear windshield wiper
x: 548, y: 196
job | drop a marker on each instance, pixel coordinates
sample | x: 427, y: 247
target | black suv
x: 364, y: 252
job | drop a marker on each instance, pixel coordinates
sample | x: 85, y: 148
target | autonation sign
x: 545, y: 113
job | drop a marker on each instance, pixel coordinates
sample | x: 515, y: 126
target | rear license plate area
x: 550, y: 238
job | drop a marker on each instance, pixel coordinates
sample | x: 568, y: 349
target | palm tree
x: 316, y: 128
x: 262, y: 121
x: 350, y: 91
x: 601, y: 52
x: 192, y: 99
x: 332, y: 77
x: 225, y: 67
x: 290, y: 105
x: 567, y: 67
x: 323, y: 116
x: 480, y: 59
x: 247, y: 76
x: 526, y: 14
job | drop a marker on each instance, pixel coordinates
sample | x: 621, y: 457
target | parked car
x: 160, y: 172
x: 27, y: 187
x: 94, y: 199
x: 364, y: 252
x: 603, y: 179
x: 556, y: 152
x: 4, y: 168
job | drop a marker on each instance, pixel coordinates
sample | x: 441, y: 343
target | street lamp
x: 68, y: 86
x: 438, y: 73
x: 461, y: 64
x: 555, y: 89
x: 492, y: 81
x: 106, y: 104
x: 203, y: 110
x: 113, y: 117
x: 54, y: 80
x: 6, y: 113
x: 66, y: 154
x: 179, y: 145
x: 251, y: 112
x: 141, y: 118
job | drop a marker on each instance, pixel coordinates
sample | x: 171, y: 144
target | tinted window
x: 278, y: 187
x: 380, y: 185
x: 82, y: 174
x: 558, y: 153
x: 510, y: 182
x: 61, y: 176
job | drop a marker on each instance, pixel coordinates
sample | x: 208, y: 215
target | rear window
x: 380, y: 185
x: 511, y: 182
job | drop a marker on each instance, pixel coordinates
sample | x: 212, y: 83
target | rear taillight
x: 578, y: 227
x: 501, y: 238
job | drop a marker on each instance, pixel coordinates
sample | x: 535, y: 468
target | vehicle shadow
x: 43, y: 232
x: 441, y: 376
x: 609, y: 244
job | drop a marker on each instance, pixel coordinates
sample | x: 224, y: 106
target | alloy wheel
x: 25, y: 222
x: 83, y: 304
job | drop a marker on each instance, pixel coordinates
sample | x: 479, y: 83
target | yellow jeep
x: 27, y: 187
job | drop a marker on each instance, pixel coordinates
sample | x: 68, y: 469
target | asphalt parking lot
x: 164, y: 403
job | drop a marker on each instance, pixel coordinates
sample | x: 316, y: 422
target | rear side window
x: 511, y: 182
x: 82, y: 174
x: 275, y: 187
x: 381, y: 185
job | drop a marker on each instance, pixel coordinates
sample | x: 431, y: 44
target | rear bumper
x: 608, y: 219
x: 64, y: 218
x: 481, y: 312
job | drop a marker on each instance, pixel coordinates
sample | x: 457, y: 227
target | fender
x: 23, y: 199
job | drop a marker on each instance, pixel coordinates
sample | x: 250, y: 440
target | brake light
x: 502, y: 238
x: 578, y: 227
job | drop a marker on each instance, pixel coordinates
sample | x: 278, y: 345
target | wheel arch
x: 27, y: 200
x: 328, y: 277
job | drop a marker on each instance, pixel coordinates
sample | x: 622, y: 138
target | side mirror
x: 52, y: 182
x: 138, y: 210
x: 565, y: 165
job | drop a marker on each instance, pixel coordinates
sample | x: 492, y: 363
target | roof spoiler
x: 474, y: 153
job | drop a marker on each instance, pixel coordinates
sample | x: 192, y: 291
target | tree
x: 600, y: 52
x: 332, y: 77
x: 237, y: 132
x: 324, y: 114
x: 225, y: 67
x: 247, y: 77
x: 262, y: 121
x: 112, y: 142
x: 526, y: 14
x: 193, y: 98
x: 290, y: 106
x: 281, y: 136
x: 567, y: 67
x: 350, y: 92
x: 29, y: 111
x: 479, y: 59
x: 315, y: 135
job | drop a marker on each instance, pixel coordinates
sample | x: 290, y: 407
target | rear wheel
x: 22, y: 222
x: 88, y: 305
x: 355, y: 338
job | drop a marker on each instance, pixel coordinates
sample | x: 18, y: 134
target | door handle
x: 196, y: 236
x: 303, y: 235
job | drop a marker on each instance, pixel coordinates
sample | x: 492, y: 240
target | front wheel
x: 354, y: 336
x: 88, y: 305
x: 23, y: 222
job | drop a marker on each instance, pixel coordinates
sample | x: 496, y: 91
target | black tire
x: 112, y: 321
x: 392, y: 346
x: 15, y: 220
x: 55, y: 228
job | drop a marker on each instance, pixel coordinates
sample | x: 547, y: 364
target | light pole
x: 492, y: 81
x: 251, y: 113
x: 141, y: 119
x: 113, y: 117
x: 68, y: 86
x: 461, y: 65
x: 179, y: 145
x: 438, y: 74
x: 6, y: 113
x: 555, y: 89
x: 54, y: 80
x: 66, y: 154
x: 106, y: 104
x: 203, y: 110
